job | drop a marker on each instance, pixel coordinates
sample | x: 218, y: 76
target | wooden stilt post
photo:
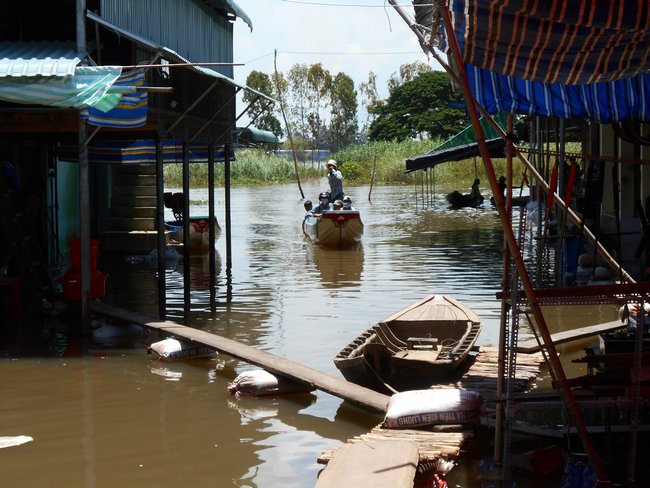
x: 84, y: 193
x: 160, y: 226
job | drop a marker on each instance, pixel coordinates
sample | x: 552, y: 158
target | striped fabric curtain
x: 140, y: 151
x: 561, y: 58
x: 130, y: 112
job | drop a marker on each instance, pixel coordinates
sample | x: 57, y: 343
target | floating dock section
x: 433, y: 445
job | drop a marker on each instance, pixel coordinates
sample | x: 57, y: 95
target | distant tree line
x: 327, y: 111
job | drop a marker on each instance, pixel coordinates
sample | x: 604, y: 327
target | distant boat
x: 413, y: 348
x: 334, y: 228
x: 520, y: 201
x: 199, y: 225
x: 199, y: 232
x: 457, y: 199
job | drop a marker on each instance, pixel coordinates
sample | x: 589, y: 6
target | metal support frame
x: 555, y: 363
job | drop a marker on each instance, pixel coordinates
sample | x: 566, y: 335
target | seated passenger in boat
x: 324, y: 204
x: 347, y: 203
x: 337, y: 205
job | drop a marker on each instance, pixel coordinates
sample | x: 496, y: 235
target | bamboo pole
x: 372, y: 178
x: 286, y: 123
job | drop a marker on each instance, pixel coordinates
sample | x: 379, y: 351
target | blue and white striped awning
x: 141, y: 151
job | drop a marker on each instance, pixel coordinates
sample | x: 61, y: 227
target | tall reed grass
x: 387, y: 159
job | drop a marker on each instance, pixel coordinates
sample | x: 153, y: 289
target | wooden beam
x: 355, y: 394
x: 532, y: 345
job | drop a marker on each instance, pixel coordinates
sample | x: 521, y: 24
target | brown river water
x: 103, y: 414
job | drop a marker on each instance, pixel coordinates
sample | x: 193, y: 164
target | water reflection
x: 337, y: 268
x: 105, y: 414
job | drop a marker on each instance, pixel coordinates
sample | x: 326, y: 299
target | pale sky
x: 352, y: 36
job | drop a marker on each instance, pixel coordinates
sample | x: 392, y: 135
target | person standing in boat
x: 502, y: 186
x: 335, y: 178
x: 476, y: 192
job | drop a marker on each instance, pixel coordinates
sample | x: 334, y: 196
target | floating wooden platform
x: 440, y: 442
x: 355, y: 394
x: 532, y: 346
x: 372, y: 455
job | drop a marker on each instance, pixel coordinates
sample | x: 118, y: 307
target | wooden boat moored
x: 413, y: 348
x: 335, y: 228
x: 199, y: 232
x: 457, y: 199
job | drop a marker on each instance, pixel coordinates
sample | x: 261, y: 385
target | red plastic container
x: 71, y: 282
x: 75, y: 253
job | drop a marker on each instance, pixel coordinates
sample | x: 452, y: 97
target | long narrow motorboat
x: 334, y: 228
x: 413, y: 348
x: 199, y: 232
x: 199, y: 236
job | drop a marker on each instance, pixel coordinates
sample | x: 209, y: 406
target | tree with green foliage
x: 369, y: 100
x: 343, y: 124
x: 421, y: 108
x: 298, y: 108
x: 319, y: 83
x: 260, y: 110
x: 407, y: 72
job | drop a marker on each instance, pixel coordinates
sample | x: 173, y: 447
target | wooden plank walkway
x: 531, y: 345
x: 384, y: 464
x: 355, y: 394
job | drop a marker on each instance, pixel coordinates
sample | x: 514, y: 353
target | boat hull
x: 457, y: 199
x: 339, y: 228
x: 199, y: 233
x: 422, y: 344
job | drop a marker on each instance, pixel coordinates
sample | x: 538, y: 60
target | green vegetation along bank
x: 255, y: 166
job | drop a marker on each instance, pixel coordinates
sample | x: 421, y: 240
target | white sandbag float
x: 171, y: 349
x: 437, y: 406
x: 259, y: 382
x: 13, y: 441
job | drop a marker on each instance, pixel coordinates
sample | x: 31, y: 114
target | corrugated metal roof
x: 232, y: 7
x: 170, y: 54
x: 38, y: 59
x: 188, y: 27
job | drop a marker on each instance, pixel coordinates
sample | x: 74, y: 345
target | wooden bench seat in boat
x: 422, y: 343
x: 418, y: 354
